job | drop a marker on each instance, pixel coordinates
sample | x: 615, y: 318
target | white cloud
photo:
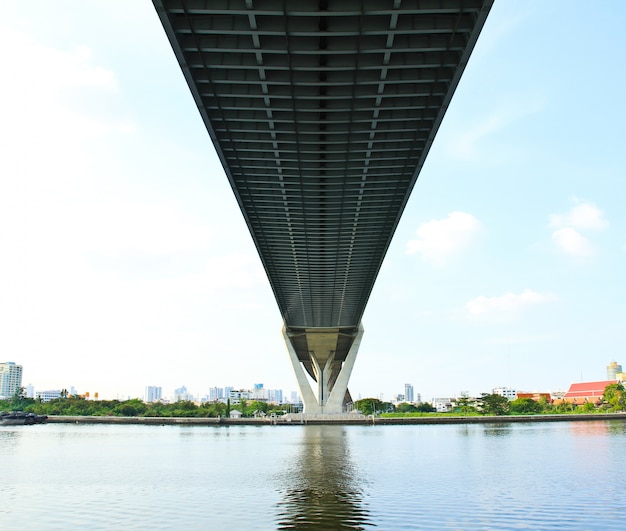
x: 438, y: 240
x: 571, y: 242
x: 567, y: 236
x: 582, y: 216
x: 505, y: 306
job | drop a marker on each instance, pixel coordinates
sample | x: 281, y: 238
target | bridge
x: 322, y: 113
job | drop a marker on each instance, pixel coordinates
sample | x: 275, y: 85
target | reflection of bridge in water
x: 321, y: 486
x: 322, y: 113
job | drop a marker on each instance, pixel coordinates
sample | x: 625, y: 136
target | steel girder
x: 322, y: 113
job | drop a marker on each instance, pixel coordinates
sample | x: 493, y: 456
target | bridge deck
x: 322, y: 113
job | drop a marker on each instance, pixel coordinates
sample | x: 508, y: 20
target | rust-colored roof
x: 588, y: 389
x: 534, y: 396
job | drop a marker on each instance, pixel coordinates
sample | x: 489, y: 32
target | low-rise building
x: 535, y: 396
x: 237, y: 395
x: 506, y: 392
x: 582, y: 392
x: 442, y: 405
x: 46, y: 396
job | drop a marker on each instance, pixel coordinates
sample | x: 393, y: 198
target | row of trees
x: 614, y: 400
x: 77, y: 406
x: 374, y: 406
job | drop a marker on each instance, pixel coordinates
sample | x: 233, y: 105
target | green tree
x: 589, y: 407
x: 256, y: 407
x: 212, y: 409
x: 492, y: 404
x: 373, y: 406
x: 464, y: 405
x: 130, y: 408
x: 19, y: 401
x: 525, y: 406
x: 546, y: 405
x: 425, y: 407
x: 405, y: 407
x: 615, y: 396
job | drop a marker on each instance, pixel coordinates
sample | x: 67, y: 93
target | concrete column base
x: 331, y: 375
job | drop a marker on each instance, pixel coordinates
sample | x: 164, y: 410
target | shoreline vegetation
x: 486, y: 409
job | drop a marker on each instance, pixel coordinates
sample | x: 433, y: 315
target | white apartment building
x: 506, y: 392
x: 153, y: 393
x: 10, y: 379
x: 237, y: 395
x: 46, y: 396
x: 442, y: 405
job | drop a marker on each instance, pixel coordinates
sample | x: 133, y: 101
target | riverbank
x: 348, y: 419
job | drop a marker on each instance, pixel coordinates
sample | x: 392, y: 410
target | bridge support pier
x: 328, y: 355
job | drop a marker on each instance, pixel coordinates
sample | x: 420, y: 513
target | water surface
x: 546, y: 476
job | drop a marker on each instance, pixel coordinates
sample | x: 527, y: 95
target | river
x: 545, y: 476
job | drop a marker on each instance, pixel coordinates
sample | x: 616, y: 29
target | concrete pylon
x: 328, y: 355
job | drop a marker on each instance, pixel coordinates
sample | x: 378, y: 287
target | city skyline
x: 126, y: 257
x: 258, y: 391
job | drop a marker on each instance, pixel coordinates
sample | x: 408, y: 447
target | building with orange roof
x: 582, y: 392
x: 535, y: 396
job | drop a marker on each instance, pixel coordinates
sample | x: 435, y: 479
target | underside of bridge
x: 322, y: 113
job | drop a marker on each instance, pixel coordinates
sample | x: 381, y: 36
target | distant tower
x: 10, y: 379
x: 216, y: 393
x: 153, y: 394
x: 408, y: 393
x: 181, y: 394
x: 612, y: 369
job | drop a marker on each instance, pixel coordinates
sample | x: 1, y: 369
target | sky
x: 125, y: 260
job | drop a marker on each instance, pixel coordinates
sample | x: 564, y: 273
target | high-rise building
x: 612, y: 370
x: 275, y: 395
x: 10, y: 379
x: 153, y: 394
x: 216, y: 393
x: 181, y: 394
x: 408, y: 393
x: 259, y: 392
